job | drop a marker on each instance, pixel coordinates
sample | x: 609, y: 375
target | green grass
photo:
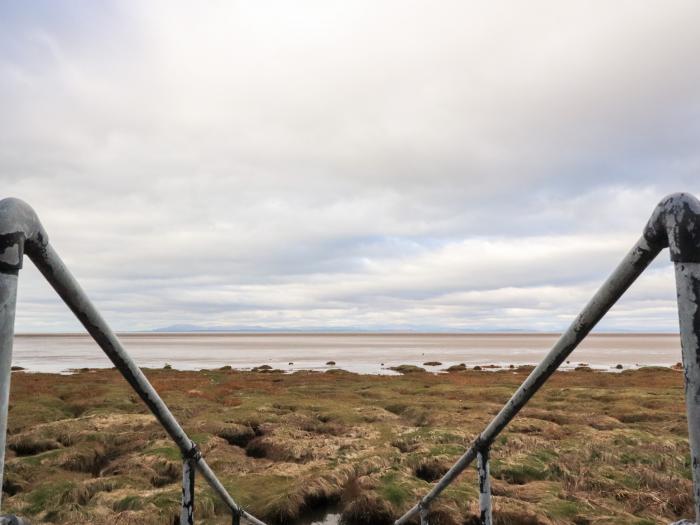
x: 607, y: 448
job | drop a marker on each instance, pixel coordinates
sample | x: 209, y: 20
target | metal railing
x: 21, y: 233
x: 675, y: 223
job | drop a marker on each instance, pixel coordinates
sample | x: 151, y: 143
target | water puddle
x: 325, y: 516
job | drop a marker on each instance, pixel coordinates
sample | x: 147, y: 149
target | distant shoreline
x: 349, y: 333
x: 365, y: 353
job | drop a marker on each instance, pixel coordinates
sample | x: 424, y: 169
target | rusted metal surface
x: 187, y: 506
x: 482, y: 465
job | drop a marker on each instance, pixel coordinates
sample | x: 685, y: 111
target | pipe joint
x: 20, y: 232
x: 676, y: 223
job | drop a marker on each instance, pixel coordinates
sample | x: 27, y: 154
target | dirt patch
x: 431, y: 470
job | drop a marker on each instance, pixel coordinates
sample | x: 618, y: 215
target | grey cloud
x: 377, y: 165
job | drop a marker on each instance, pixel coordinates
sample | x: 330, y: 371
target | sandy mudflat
x: 362, y: 353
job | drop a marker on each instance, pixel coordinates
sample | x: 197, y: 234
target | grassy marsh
x: 591, y: 448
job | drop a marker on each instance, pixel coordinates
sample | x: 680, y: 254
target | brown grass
x: 591, y: 448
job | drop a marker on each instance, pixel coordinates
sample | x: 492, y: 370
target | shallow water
x: 363, y: 353
x: 328, y: 516
x: 328, y: 519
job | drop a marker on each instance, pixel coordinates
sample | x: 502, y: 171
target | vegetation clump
x: 590, y: 448
x: 368, y: 509
x: 235, y: 434
x: 266, y: 369
x: 407, y: 369
x: 432, y: 469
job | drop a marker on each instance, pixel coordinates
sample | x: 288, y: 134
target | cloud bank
x: 393, y: 165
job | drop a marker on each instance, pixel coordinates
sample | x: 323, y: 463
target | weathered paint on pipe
x: 57, y: 274
x: 20, y: 230
x: 13, y: 520
x: 688, y: 289
x: 482, y: 465
x: 424, y: 513
x: 187, y: 505
x: 21, y: 233
x: 8, y: 299
x: 634, y: 263
x: 676, y: 224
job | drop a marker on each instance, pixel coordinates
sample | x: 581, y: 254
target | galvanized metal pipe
x: 676, y: 224
x: 634, y: 263
x: 187, y: 506
x: 688, y: 289
x: 57, y: 274
x: 20, y: 230
x: 424, y: 513
x: 8, y: 300
x: 482, y: 465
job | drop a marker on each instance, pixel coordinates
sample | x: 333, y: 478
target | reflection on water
x: 363, y: 353
x: 329, y: 519
x: 327, y: 516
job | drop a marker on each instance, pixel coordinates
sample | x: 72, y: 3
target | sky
x: 393, y: 165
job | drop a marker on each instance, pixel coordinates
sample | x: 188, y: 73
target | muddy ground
x: 591, y: 448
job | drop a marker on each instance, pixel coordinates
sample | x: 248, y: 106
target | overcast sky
x: 377, y: 165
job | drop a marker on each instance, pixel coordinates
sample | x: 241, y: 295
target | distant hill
x: 321, y: 329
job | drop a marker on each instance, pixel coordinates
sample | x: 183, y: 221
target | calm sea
x: 366, y: 353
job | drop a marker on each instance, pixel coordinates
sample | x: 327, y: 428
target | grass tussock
x: 432, y: 469
x: 591, y: 448
x: 367, y: 509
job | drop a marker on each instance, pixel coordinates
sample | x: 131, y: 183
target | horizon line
x: 349, y: 332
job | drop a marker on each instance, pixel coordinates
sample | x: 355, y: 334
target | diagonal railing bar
x: 638, y: 258
x: 675, y: 223
x: 21, y: 232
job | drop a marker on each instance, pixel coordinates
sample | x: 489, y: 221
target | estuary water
x: 362, y: 353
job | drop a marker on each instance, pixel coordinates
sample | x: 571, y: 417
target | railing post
x: 482, y: 464
x: 236, y: 518
x: 634, y: 263
x: 688, y: 289
x: 20, y: 231
x: 424, y: 511
x: 187, y: 509
x: 8, y: 299
x: 676, y: 223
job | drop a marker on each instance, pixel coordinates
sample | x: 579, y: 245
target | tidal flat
x: 590, y: 448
